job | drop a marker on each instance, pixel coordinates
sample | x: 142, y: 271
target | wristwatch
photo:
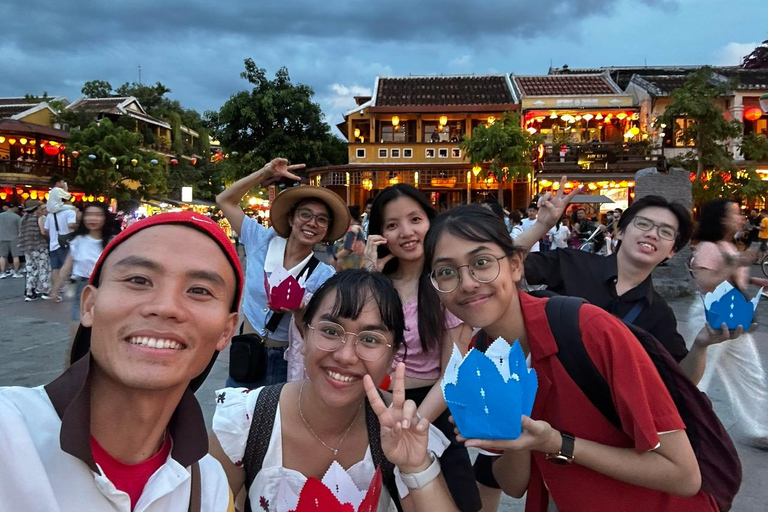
x: 422, y: 478
x: 565, y: 455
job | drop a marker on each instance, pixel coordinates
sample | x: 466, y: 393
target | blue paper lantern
x: 153, y: 161
x: 92, y: 156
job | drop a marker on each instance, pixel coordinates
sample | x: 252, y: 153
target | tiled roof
x: 22, y: 128
x: 16, y: 101
x: 660, y: 85
x: 12, y: 110
x: 565, y: 85
x: 754, y: 79
x: 97, y: 104
x: 443, y: 91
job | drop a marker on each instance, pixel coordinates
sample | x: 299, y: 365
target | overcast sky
x: 197, y: 48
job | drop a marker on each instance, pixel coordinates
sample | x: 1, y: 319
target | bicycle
x: 764, y: 265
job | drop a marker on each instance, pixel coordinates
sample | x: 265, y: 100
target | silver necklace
x: 335, y: 451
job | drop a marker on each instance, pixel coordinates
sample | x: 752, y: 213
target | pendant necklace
x: 335, y: 451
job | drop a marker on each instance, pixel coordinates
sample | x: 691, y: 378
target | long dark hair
x: 430, y: 333
x: 473, y: 223
x: 106, y: 229
x: 711, y: 227
x: 353, y: 289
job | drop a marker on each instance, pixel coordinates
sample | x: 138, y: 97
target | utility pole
x: 139, y: 74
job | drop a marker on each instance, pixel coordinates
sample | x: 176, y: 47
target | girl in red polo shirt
x: 569, y: 455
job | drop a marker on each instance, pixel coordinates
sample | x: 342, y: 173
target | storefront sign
x: 597, y: 157
x: 577, y: 102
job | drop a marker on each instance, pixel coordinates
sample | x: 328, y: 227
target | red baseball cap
x: 203, y: 224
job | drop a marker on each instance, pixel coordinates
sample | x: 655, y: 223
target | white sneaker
x: 3, y: 275
x: 17, y: 275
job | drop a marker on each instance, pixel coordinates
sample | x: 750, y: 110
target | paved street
x: 34, y: 343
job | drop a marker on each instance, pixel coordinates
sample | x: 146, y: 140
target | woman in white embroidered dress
x: 353, y: 326
x: 736, y: 362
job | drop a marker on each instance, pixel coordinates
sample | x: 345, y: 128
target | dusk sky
x: 197, y: 48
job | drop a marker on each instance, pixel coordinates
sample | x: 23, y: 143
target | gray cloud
x: 196, y: 48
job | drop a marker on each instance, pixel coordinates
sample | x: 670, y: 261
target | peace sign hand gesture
x: 278, y: 169
x: 552, y: 206
x: 404, y: 434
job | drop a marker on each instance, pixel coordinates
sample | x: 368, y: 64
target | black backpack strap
x: 377, y: 454
x: 276, y: 317
x: 262, y: 422
x: 563, y: 317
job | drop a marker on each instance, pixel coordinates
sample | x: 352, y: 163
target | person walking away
x: 736, y: 363
x: 9, y: 241
x: 34, y: 245
x: 92, y: 235
x: 560, y: 234
x: 348, y: 253
x: 301, y: 217
x: 762, y: 235
x: 56, y: 225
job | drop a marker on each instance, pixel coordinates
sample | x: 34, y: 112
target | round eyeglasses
x: 483, y: 268
x: 644, y: 224
x: 306, y: 216
x: 369, y: 345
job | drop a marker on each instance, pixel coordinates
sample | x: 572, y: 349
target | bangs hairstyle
x: 353, y: 290
x: 473, y: 223
x: 684, y: 221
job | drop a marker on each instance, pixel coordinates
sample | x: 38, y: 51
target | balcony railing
x: 39, y: 169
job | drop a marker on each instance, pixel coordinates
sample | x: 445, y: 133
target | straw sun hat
x: 286, y: 200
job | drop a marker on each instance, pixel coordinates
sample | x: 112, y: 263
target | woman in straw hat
x: 301, y: 217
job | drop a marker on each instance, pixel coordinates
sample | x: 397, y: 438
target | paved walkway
x: 34, y: 341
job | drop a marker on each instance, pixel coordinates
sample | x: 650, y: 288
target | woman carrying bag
x: 301, y: 217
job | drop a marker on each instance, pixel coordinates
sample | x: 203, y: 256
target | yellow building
x: 409, y: 131
x: 32, y: 148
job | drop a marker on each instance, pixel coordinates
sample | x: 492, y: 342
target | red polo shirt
x: 642, y: 402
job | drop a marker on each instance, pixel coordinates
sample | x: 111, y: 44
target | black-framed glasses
x: 307, y: 215
x: 645, y: 224
x: 369, y: 345
x: 483, y: 268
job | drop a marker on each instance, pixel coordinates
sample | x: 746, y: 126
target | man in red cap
x: 120, y: 430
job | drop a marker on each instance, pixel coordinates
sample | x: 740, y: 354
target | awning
x: 585, y: 198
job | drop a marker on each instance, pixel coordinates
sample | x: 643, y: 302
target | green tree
x: 274, y: 118
x: 758, y: 59
x: 97, y: 89
x: 710, y: 133
x: 754, y: 146
x: 150, y: 97
x: 505, y: 145
x: 121, y: 180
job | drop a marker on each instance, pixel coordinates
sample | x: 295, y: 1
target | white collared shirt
x: 37, y: 476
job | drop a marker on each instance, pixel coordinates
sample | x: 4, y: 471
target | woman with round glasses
x: 301, y: 217
x: 352, y: 325
x: 736, y: 363
x: 399, y: 220
x: 569, y: 455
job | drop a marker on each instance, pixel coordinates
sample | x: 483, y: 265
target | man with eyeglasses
x: 648, y: 233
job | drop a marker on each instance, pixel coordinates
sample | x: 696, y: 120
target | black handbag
x: 248, y: 357
x: 63, y: 239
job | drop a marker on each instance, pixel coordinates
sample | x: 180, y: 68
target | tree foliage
x: 121, y: 180
x: 504, y: 144
x: 758, y: 59
x: 274, y: 118
x: 97, y: 89
x: 709, y: 132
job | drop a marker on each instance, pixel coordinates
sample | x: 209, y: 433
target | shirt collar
x: 611, y: 273
x: 276, y: 256
x: 541, y: 342
x: 70, y: 395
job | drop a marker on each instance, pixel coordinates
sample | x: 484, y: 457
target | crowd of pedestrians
x: 337, y: 366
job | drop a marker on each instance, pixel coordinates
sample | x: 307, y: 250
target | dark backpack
x: 261, y: 431
x: 717, y: 457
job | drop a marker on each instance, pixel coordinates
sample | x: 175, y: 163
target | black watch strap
x: 565, y: 455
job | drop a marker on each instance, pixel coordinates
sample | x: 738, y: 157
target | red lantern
x: 194, y: 161
x: 174, y: 161
x: 51, y: 150
x: 753, y: 114
x: 75, y: 154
